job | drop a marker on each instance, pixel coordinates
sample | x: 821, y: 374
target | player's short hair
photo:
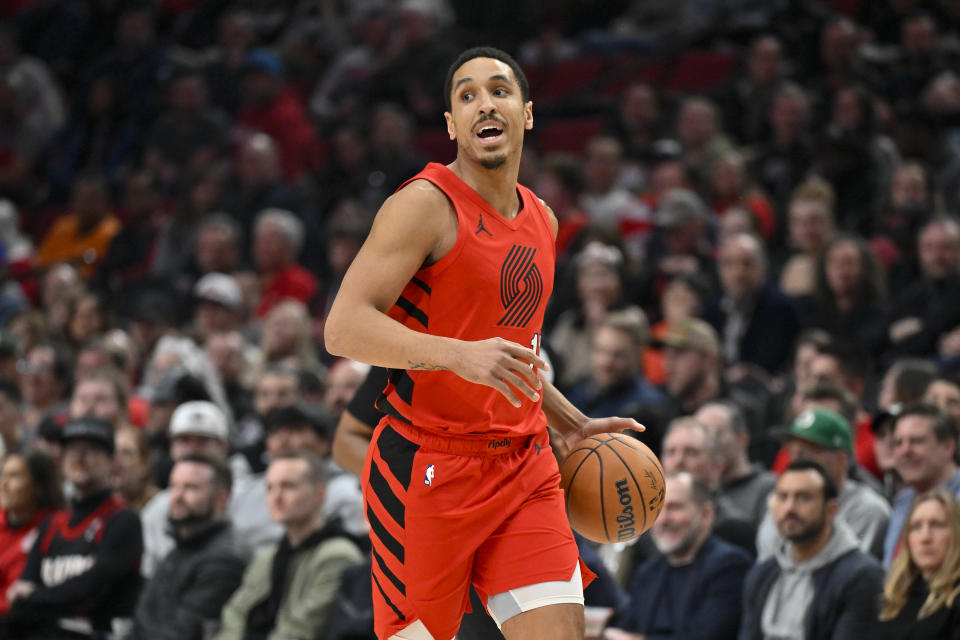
x: 486, y: 52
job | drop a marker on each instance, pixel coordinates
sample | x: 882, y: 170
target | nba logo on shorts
x: 428, y: 476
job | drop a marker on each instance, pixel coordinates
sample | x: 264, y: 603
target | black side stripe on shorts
x: 386, y: 496
x: 402, y: 588
x: 397, y: 452
x: 387, y: 599
x: 386, y: 538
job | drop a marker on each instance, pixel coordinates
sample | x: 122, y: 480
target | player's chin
x: 493, y: 161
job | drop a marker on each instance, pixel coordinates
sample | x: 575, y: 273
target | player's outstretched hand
x: 506, y: 366
x: 594, y: 426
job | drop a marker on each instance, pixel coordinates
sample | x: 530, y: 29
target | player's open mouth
x: 489, y: 133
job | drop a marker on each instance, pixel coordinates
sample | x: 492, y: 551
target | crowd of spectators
x: 758, y: 258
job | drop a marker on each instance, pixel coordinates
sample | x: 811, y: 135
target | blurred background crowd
x: 758, y: 258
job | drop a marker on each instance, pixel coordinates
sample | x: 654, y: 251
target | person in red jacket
x: 271, y: 106
x: 277, y: 238
x: 30, y: 491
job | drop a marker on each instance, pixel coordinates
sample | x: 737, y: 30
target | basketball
x: 613, y: 486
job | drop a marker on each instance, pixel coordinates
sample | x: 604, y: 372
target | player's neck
x: 497, y: 186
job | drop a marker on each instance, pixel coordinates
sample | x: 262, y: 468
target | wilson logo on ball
x: 625, y: 520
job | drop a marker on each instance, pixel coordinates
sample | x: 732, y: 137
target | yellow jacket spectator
x: 83, y: 236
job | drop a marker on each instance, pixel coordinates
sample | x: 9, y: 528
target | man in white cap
x: 219, y: 302
x: 199, y: 427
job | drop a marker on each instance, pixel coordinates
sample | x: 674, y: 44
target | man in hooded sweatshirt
x: 818, y: 585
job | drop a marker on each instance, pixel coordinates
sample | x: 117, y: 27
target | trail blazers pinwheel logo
x: 521, y: 286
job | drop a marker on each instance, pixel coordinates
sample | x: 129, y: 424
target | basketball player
x: 448, y: 292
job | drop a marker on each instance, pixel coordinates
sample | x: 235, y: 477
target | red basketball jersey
x: 495, y: 281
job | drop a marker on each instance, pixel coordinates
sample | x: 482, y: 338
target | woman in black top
x: 921, y: 596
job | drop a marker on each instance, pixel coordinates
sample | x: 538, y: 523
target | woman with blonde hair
x: 921, y: 597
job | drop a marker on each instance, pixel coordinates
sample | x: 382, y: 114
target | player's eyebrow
x: 466, y: 79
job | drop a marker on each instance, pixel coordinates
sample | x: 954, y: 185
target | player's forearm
x: 366, y: 334
x: 560, y: 412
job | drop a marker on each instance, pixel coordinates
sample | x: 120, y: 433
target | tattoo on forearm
x: 423, y: 366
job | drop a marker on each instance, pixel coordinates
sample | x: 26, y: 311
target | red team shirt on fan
x: 15, y: 544
x: 495, y: 282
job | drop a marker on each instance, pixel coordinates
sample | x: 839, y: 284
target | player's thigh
x: 534, y: 543
x: 551, y: 622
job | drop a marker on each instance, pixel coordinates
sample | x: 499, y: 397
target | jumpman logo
x: 480, y: 228
x: 539, y: 447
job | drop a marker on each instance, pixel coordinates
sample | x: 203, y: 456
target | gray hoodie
x: 792, y: 591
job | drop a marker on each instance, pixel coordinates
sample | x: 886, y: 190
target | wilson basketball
x: 613, y: 485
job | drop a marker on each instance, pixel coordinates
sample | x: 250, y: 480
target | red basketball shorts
x: 446, y: 512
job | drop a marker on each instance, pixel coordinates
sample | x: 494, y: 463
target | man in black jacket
x: 82, y: 575
x: 193, y: 582
x: 755, y: 322
x: 928, y: 308
x: 692, y: 587
x: 818, y: 584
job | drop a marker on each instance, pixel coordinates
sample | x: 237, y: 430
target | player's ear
x: 528, y: 116
x: 451, y: 131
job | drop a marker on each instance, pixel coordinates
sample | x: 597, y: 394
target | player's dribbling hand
x: 503, y: 365
x: 593, y: 426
